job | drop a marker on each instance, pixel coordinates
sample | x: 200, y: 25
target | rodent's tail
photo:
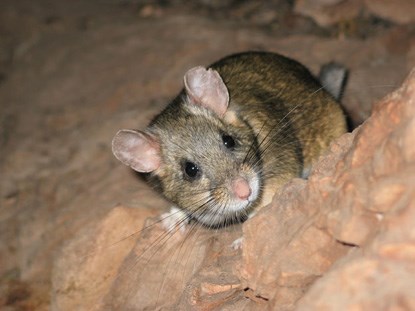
x: 333, y: 78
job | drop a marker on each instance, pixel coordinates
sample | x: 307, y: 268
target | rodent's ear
x: 137, y: 149
x: 205, y: 87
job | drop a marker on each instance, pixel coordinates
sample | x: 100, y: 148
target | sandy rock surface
x: 78, y: 231
x: 399, y: 11
x: 331, y: 12
x: 374, y: 215
x: 327, y: 13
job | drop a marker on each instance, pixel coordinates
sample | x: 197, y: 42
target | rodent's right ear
x: 205, y: 87
x: 137, y: 149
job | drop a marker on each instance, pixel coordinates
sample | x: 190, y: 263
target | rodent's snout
x: 241, y: 188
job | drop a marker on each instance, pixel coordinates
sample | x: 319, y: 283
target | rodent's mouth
x: 234, y: 207
x: 233, y: 210
x: 236, y: 211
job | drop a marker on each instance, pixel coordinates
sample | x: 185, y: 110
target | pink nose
x: 241, y: 189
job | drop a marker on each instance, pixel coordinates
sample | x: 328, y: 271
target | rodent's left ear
x: 137, y: 149
x: 205, y: 87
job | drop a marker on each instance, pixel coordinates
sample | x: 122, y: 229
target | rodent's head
x: 205, y: 158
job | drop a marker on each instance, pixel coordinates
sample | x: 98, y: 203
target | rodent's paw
x: 238, y: 243
x: 174, y: 220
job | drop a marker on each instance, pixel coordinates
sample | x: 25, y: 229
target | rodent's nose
x: 241, y: 189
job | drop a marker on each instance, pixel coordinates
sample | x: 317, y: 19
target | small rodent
x: 237, y: 131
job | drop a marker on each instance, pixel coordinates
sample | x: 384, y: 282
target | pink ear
x: 137, y: 149
x: 205, y: 87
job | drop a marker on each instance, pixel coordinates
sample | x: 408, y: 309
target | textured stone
x: 382, y: 270
x: 398, y: 11
x: 329, y: 12
x: 87, y: 268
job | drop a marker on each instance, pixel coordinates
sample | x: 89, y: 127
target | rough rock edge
x: 327, y: 13
x: 380, y: 274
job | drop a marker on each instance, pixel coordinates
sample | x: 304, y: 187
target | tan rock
x: 326, y: 12
x: 380, y: 275
x: 398, y: 11
x: 88, y: 266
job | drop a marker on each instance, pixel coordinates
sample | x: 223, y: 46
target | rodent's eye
x: 191, y: 169
x: 228, y: 141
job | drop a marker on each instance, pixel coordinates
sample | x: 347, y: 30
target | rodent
x: 237, y: 131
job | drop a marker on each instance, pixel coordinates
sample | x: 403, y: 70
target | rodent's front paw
x: 237, y: 244
x: 174, y: 220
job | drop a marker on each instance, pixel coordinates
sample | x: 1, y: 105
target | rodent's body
x: 249, y: 124
x: 272, y: 90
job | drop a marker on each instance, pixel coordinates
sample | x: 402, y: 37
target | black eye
x: 228, y: 141
x: 191, y: 169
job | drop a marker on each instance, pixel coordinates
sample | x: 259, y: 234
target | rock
x: 381, y: 166
x: 89, y: 265
x: 328, y: 12
x: 398, y: 11
x: 301, y: 253
x: 148, y: 269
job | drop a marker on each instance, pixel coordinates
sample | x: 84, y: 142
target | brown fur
x: 279, y: 114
